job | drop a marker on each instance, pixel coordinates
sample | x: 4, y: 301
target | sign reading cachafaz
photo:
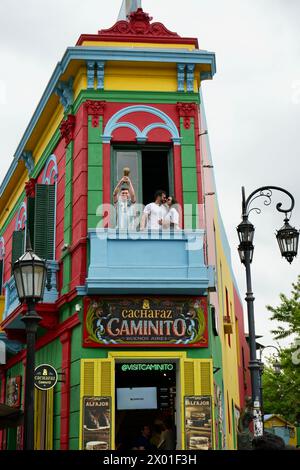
x: 178, y: 322
x: 45, y: 377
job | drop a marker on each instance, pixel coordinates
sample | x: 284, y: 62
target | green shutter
x: 17, y: 245
x: 44, y: 221
x: 30, y: 217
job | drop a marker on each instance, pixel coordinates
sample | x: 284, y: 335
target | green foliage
x: 281, y: 392
x: 287, y: 313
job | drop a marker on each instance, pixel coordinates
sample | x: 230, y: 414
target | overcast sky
x: 252, y: 105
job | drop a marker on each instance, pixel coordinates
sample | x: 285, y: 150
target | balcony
x: 155, y: 262
x: 50, y: 296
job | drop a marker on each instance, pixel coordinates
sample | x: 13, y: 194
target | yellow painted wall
x: 80, y: 82
x: 18, y: 185
x: 229, y: 353
x: 136, y: 45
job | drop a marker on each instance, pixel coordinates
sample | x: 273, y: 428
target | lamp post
x: 288, y: 239
x: 277, y: 370
x: 30, y: 277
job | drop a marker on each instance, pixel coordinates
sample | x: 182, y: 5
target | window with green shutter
x: 30, y: 217
x: 44, y: 221
x: 18, y: 245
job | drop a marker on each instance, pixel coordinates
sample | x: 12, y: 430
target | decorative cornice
x: 64, y: 89
x: 67, y: 128
x: 95, y: 109
x: 138, y: 24
x: 27, y: 157
x: 90, y: 65
x: 187, y: 111
x: 190, y: 76
x: 180, y: 77
x: 100, y: 68
x: 30, y: 187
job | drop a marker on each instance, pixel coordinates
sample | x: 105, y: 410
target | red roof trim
x: 138, y: 29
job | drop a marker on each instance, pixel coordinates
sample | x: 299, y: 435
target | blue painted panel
x: 155, y: 262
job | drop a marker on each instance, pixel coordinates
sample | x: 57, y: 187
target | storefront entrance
x: 131, y: 388
x: 145, y: 395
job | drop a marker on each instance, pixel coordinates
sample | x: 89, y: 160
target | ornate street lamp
x: 30, y: 274
x: 288, y: 239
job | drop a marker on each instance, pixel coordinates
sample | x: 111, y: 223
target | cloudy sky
x: 252, y: 105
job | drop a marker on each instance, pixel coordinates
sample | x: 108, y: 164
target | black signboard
x: 45, y: 377
x: 96, y: 423
x: 177, y: 322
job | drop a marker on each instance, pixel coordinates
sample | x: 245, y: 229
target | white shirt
x: 172, y: 217
x: 155, y: 213
x: 124, y: 213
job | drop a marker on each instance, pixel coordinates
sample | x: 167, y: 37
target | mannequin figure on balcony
x: 124, y: 200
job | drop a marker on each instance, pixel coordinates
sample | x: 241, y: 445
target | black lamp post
x: 288, y: 239
x: 30, y: 274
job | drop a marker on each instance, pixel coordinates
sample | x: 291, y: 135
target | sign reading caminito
x: 45, y: 377
x: 163, y: 322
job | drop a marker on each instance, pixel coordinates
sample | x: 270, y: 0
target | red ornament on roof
x: 138, y: 28
x: 139, y: 23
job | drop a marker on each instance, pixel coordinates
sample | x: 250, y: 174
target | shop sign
x: 165, y: 322
x: 96, y: 433
x: 198, y: 423
x: 45, y: 377
x: 148, y: 366
x: 13, y: 391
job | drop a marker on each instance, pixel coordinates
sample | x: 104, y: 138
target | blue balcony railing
x: 148, y: 262
x: 50, y: 295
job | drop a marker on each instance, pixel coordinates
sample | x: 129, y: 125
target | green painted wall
x: 95, y: 178
x: 189, y: 175
x: 68, y: 217
x: 52, y: 354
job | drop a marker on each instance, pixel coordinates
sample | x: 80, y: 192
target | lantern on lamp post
x: 30, y: 274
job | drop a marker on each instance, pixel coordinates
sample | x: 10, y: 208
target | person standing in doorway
x: 155, y: 212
